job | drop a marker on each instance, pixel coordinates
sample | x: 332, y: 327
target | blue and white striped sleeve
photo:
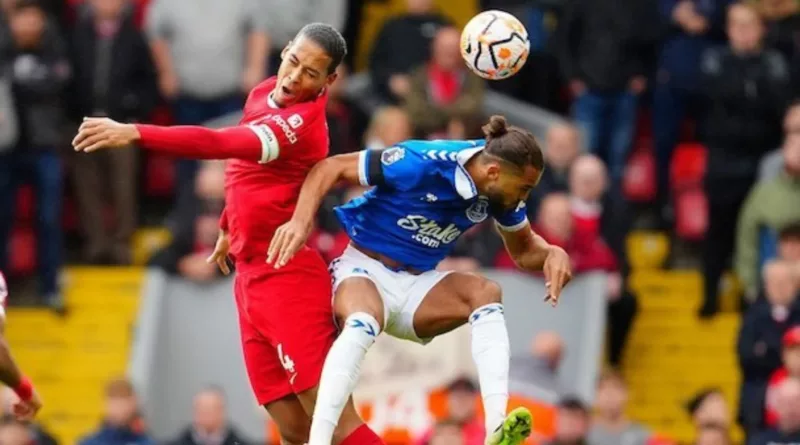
x: 513, y: 220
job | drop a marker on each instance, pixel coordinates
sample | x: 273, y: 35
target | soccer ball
x: 495, y: 45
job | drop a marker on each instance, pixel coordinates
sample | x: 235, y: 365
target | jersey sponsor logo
x: 478, y: 211
x: 392, y: 155
x: 428, y: 232
x: 290, y: 135
x: 295, y: 121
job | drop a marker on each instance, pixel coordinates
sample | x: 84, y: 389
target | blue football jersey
x: 422, y: 200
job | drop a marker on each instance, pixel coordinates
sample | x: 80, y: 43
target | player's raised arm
x: 254, y: 143
x: 531, y: 252
x: 290, y: 237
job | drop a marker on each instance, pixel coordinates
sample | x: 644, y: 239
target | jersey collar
x: 465, y: 186
x: 271, y: 102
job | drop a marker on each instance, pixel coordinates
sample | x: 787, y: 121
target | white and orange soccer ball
x: 495, y: 45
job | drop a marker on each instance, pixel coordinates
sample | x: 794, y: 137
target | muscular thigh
x: 450, y: 302
x: 291, y: 418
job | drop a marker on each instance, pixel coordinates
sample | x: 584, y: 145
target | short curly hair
x: 327, y: 37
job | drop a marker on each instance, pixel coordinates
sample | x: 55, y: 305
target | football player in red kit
x: 29, y: 403
x: 285, y: 314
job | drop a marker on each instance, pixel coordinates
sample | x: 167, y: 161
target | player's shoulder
x: 443, y: 151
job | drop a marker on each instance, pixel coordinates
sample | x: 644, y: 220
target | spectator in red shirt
x: 462, y: 413
x: 790, y: 369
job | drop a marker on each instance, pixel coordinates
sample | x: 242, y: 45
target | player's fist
x: 101, y: 132
x: 288, y: 239
x: 26, y: 410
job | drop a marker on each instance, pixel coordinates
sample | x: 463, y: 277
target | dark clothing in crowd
x: 403, y: 44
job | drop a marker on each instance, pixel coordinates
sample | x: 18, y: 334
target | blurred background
x: 672, y: 140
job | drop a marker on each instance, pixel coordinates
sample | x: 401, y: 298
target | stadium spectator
x: 787, y: 407
x: 604, y: 56
x: 572, y: 423
x: 293, y: 16
x: 209, y: 422
x: 206, y: 74
x: 692, y: 28
x: 601, y: 223
x: 41, y: 436
x: 708, y: 408
x: 760, y: 339
x: 446, y: 433
x: 119, y: 422
x: 789, y: 243
x: 790, y: 369
x: 765, y: 212
x: 771, y: 165
x: 563, y: 144
x: 40, y: 72
x: 342, y: 117
x: 462, y: 399
x: 782, y: 19
x: 403, y: 43
x: 712, y: 435
x: 610, y: 426
x: 389, y: 126
x: 197, y: 229
x: 536, y: 374
x: 114, y: 77
x: 745, y: 86
x: 16, y: 433
x: 444, y: 98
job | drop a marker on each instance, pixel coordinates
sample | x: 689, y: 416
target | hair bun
x: 496, y: 127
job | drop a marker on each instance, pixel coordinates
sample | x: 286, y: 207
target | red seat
x: 69, y: 217
x: 639, y: 182
x: 22, y: 251
x: 691, y: 214
x: 688, y: 166
x: 25, y: 204
x: 159, y: 176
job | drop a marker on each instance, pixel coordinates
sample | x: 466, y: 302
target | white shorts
x: 402, y: 292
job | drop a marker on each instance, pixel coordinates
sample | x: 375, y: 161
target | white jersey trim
x: 516, y: 227
x: 270, y: 148
x: 363, y: 178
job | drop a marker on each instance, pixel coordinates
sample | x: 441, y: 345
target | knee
x: 488, y: 292
x: 295, y: 432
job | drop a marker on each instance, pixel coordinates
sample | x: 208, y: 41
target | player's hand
x: 96, y: 133
x: 288, y: 239
x: 26, y: 410
x: 557, y: 273
x: 220, y: 253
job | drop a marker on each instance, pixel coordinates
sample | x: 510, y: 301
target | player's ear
x: 286, y: 49
x: 493, y: 170
x: 331, y: 78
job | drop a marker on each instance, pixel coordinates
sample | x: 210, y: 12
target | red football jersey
x: 261, y: 195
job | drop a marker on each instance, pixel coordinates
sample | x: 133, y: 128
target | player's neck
x: 273, y: 103
x: 473, y: 167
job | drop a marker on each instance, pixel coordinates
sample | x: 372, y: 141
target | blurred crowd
x: 680, y: 116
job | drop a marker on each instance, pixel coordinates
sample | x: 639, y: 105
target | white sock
x: 490, y: 350
x: 340, y: 374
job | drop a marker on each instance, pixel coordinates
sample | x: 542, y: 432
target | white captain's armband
x: 270, y: 147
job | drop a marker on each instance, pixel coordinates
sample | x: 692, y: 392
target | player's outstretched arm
x: 531, y: 252
x: 181, y: 141
x: 290, y: 237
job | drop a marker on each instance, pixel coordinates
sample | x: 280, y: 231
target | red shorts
x: 286, y: 323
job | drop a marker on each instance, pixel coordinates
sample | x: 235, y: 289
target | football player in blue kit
x: 424, y: 195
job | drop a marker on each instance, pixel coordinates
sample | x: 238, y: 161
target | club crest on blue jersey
x: 392, y: 155
x: 478, y: 211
